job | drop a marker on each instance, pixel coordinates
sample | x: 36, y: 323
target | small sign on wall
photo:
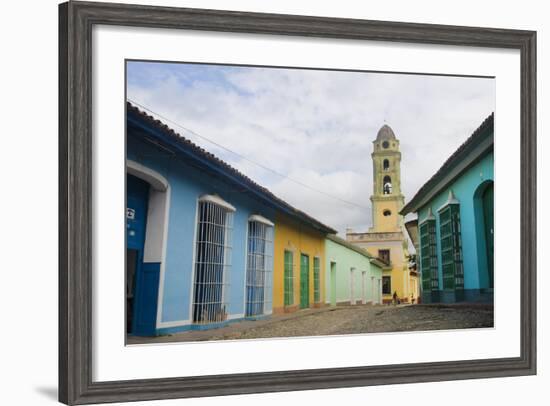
x: 130, y: 213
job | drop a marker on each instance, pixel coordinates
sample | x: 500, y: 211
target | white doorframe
x: 156, y: 236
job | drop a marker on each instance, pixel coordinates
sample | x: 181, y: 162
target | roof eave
x: 337, y: 240
x: 380, y: 264
x: 480, y: 143
x: 158, y: 132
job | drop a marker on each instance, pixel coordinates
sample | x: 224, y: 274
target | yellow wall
x: 379, y: 236
x: 389, y: 223
x: 300, y: 239
x: 401, y: 280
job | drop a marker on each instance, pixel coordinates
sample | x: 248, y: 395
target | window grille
x: 316, y: 280
x: 212, y: 260
x: 259, y: 266
x: 289, y: 278
x: 384, y: 255
x: 386, y: 285
x: 451, y: 247
x: 428, y: 256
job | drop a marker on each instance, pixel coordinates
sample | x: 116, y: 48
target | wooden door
x: 304, y: 281
x: 488, y: 215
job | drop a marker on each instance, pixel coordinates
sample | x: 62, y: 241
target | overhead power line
x: 188, y: 130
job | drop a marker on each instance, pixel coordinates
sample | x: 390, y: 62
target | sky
x: 315, y: 127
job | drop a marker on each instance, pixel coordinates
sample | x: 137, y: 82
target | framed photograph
x: 258, y: 202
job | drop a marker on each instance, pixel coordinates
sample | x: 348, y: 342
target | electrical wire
x: 188, y: 130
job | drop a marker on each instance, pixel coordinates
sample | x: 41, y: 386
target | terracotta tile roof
x: 201, y: 152
x: 347, y: 244
x: 375, y: 260
x: 457, y: 156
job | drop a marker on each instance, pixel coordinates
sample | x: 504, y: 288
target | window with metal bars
x: 259, y: 266
x: 289, y: 278
x: 212, y: 260
x: 384, y: 255
x: 451, y: 247
x: 386, y: 285
x: 316, y: 279
x: 428, y: 256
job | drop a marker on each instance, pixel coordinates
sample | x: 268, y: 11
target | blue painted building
x: 199, y: 234
x: 455, y: 223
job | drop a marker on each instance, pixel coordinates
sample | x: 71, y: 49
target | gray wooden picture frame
x: 76, y: 20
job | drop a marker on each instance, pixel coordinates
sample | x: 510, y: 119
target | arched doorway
x: 484, y: 216
x: 147, y: 203
x: 137, y: 197
x: 488, y: 215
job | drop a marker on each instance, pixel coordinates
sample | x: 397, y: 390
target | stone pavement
x: 343, y: 320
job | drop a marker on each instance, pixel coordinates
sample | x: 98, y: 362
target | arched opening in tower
x: 386, y: 164
x: 387, y: 187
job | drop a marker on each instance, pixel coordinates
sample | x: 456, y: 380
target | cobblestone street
x: 344, y: 320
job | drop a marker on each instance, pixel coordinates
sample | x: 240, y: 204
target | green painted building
x: 454, y: 235
x: 353, y: 276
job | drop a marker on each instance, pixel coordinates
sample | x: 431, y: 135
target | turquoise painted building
x: 353, y: 276
x: 455, y: 223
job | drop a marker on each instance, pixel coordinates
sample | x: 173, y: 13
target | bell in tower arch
x: 387, y: 187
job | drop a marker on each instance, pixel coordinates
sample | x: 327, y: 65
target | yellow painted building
x: 386, y: 238
x: 299, y: 264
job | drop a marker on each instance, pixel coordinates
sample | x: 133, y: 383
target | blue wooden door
x: 141, y: 288
x: 137, y: 195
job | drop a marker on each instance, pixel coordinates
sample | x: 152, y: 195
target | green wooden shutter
x: 451, y: 247
x: 428, y: 256
x: 304, y: 281
x: 289, y: 278
x: 316, y: 280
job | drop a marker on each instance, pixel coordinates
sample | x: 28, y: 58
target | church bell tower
x: 386, y: 238
x: 387, y: 199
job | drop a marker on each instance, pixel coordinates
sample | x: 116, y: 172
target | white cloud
x: 317, y: 127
